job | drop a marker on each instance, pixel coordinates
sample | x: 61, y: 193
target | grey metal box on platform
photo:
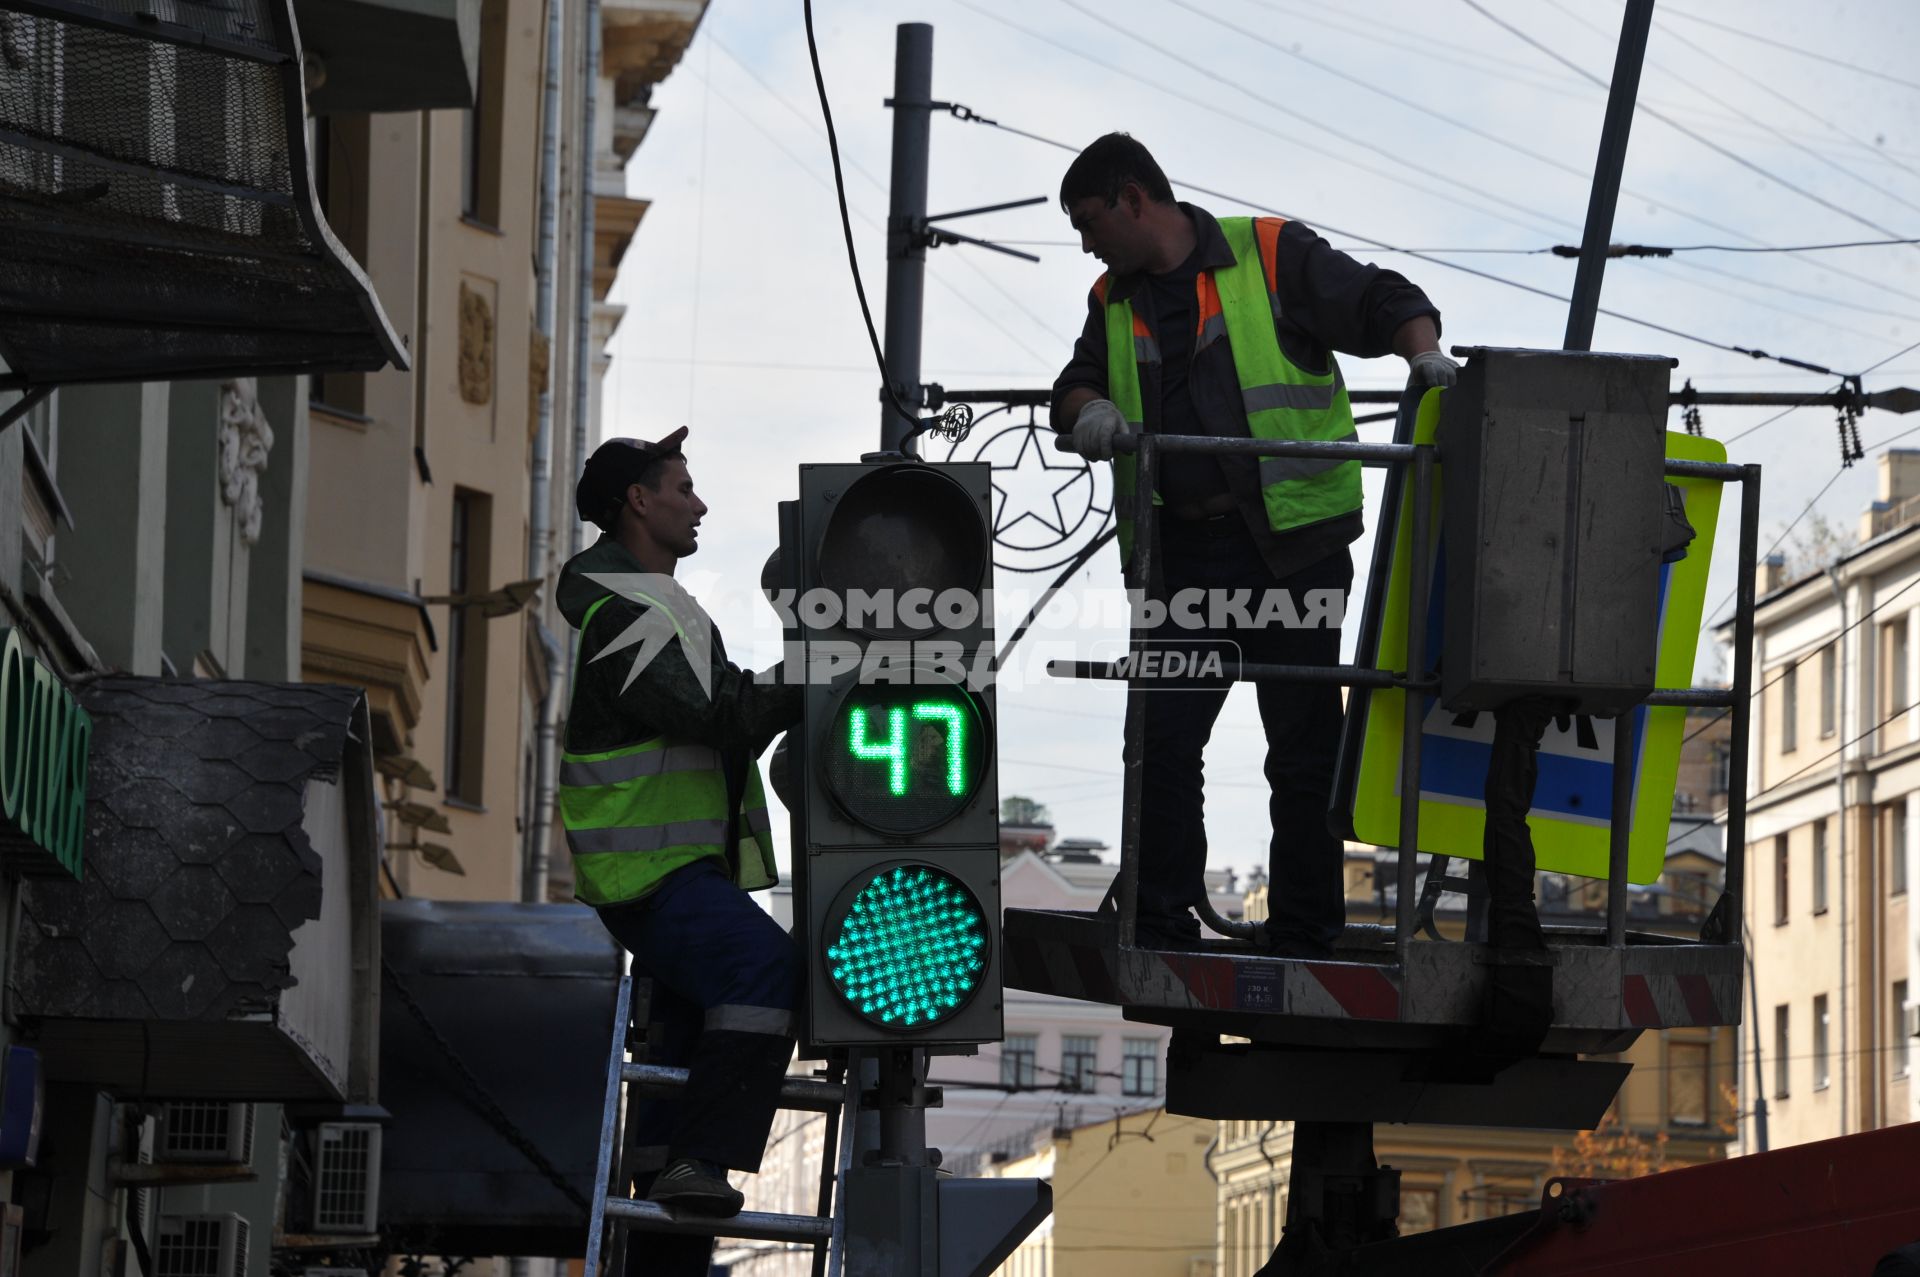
x: 1557, y: 458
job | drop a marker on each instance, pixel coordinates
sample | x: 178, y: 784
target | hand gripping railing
x: 1419, y: 680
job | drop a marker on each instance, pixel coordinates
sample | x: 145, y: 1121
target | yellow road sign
x: 1571, y: 801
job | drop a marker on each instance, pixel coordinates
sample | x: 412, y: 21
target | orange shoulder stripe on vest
x: 1100, y: 288
x: 1208, y: 293
x: 1266, y: 231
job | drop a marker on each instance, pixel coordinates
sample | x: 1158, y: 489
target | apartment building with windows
x: 1833, y: 782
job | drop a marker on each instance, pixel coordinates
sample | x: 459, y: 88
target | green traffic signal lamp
x: 906, y: 946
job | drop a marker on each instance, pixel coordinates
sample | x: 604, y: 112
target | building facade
x: 1834, y: 780
x: 289, y: 633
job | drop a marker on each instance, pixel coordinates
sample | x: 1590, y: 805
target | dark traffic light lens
x: 909, y: 948
x: 905, y: 759
x: 903, y: 528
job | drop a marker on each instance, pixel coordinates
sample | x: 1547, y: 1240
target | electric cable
x: 1389, y: 175
x: 986, y: 316
x: 1827, y: 160
x: 1245, y: 33
x: 846, y: 222
x: 1529, y: 74
x: 880, y: 186
x: 976, y: 118
x: 1685, y: 131
x: 1790, y: 48
x: 1799, y: 107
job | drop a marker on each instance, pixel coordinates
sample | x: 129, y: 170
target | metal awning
x: 157, y: 213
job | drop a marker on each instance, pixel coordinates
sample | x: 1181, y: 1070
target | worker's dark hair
x: 1108, y: 165
x: 647, y: 476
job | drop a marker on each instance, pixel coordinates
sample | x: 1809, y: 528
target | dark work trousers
x: 724, y: 984
x: 1307, y: 908
x: 1513, y: 919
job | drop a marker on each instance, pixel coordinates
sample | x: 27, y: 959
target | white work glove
x: 1095, y: 429
x: 1431, y: 368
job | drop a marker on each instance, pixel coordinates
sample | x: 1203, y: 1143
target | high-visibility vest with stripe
x: 635, y: 814
x: 1282, y: 399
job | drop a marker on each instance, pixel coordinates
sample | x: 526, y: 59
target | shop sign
x: 45, y: 741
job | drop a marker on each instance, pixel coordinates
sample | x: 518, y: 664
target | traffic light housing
x: 897, y: 866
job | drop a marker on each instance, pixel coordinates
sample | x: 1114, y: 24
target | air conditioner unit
x: 346, y: 1177
x: 1911, y: 1016
x: 200, y: 1246
x: 208, y: 1131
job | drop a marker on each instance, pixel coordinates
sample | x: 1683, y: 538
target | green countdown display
x: 909, y: 948
x: 903, y: 760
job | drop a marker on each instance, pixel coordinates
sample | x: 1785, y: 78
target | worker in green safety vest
x: 1227, y: 327
x: 660, y: 795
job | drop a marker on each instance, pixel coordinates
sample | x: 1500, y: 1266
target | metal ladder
x: 611, y: 1205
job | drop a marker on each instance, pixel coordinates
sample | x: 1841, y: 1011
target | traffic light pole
x: 906, y: 217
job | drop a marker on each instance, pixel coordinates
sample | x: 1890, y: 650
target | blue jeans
x: 1307, y: 907
x: 725, y: 978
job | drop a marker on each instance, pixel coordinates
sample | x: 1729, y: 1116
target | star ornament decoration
x: 1030, y: 487
x: 670, y: 615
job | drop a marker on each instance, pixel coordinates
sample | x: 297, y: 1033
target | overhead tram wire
x: 1397, y: 178
x: 880, y: 186
x: 1271, y: 104
x: 1878, y: 285
x: 1715, y: 98
x: 1798, y: 661
x: 1585, y: 176
x: 1791, y: 48
x: 1768, y: 89
x: 1259, y: 126
x: 1707, y: 142
x: 988, y: 317
x: 1430, y: 46
x: 1517, y: 148
x: 1808, y: 508
x: 975, y: 118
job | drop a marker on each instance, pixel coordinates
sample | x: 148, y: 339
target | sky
x: 1414, y: 125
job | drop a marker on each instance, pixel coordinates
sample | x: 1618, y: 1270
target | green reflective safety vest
x: 1283, y: 400
x: 635, y: 814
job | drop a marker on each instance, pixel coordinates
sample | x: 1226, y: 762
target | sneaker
x: 697, y: 1187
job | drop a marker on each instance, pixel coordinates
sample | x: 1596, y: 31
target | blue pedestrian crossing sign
x: 1574, y: 794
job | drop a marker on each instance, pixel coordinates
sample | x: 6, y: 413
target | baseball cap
x: 614, y: 467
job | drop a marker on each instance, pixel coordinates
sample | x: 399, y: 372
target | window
x: 467, y: 647
x: 1017, y: 1055
x: 1140, y: 1066
x: 480, y: 125
x: 339, y: 147
x: 1902, y: 1044
x: 1822, y: 1075
x: 1720, y: 782
x: 1896, y: 671
x: 1077, y: 1059
x: 1780, y: 1053
x: 1790, y: 709
x: 1819, y: 866
x: 1897, y: 848
x: 1689, y: 1083
x: 1779, y: 878
x: 1829, y: 690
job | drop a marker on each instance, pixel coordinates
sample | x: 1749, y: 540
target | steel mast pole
x: 906, y: 224
x: 1622, y: 95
